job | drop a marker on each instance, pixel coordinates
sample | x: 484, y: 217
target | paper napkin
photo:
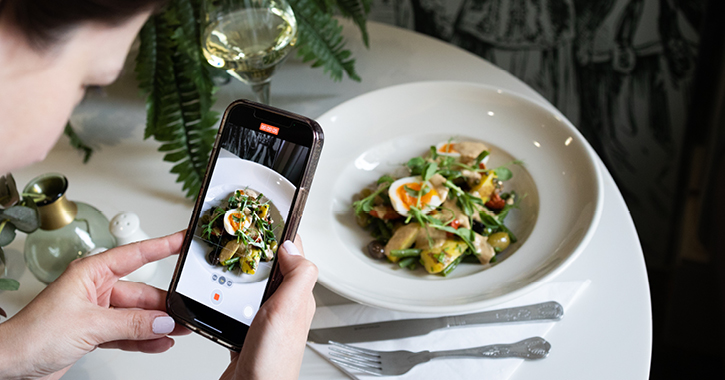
x: 454, y: 338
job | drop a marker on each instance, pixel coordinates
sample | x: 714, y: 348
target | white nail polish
x: 163, y: 325
x: 291, y: 248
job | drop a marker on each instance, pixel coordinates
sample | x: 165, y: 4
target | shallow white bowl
x: 373, y: 134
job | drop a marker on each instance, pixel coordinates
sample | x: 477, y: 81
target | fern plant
x: 178, y: 83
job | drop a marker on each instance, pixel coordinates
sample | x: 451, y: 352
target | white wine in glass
x: 250, y: 39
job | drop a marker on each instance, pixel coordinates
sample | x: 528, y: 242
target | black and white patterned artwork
x: 620, y: 70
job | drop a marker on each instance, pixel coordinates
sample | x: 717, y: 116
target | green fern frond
x: 179, y: 85
x: 327, y: 6
x: 320, y: 40
x: 147, y: 66
x: 357, y: 11
x: 179, y: 92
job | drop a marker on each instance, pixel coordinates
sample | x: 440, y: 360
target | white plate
x: 231, y: 174
x: 370, y: 135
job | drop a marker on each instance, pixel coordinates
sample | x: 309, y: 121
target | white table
x: 607, y: 334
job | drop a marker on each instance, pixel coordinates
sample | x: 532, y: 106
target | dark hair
x: 45, y: 22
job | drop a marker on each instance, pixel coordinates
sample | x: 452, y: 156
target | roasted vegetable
x: 435, y: 260
x: 485, y: 187
x: 229, y: 250
x: 250, y: 261
x: 442, y: 212
x: 403, y: 238
x: 469, y: 150
x: 241, y: 227
x: 262, y: 211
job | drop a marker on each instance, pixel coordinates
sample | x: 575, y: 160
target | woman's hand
x: 88, y: 307
x: 275, y: 343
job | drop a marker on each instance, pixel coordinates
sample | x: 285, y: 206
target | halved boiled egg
x: 404, y: 195
x: 447, y: 148
x: 235, y: 220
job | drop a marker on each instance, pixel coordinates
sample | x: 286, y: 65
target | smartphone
x: 250, y: 202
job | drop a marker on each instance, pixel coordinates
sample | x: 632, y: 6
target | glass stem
x: 261, y: 92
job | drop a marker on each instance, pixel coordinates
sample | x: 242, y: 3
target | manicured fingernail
x: 163, y: 325
x: 291, y: 248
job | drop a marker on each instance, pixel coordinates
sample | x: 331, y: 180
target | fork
x: 392, y: 363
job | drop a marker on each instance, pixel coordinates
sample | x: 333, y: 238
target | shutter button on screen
x: 216, y: 297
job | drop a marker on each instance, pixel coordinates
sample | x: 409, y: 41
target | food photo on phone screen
x: 241, y: 222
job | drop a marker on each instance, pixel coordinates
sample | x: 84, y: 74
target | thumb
x: 129, y: 324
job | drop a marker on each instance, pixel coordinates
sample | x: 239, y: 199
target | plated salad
x: 240, y: 232
x: 448, y: 208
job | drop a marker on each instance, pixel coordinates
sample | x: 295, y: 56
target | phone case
x: 294, y: 218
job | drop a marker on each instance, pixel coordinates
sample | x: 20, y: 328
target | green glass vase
x: 68, y: 230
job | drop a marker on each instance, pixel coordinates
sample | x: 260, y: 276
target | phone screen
x: 256, y: 174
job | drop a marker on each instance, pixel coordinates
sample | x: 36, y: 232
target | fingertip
x: 163, y: 325
x: 176, y: 240
x: 291, y: 249
x: 292, y: 261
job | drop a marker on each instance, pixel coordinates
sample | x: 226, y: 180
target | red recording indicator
x: 268, y: 128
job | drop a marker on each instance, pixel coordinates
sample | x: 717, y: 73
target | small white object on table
x: 607, y: 334
x: 126, y: 228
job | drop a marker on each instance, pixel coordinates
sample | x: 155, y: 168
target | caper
x: 499, y: 241
x: 376, y: 249
x: 366, y: 192
x: 498, y: 183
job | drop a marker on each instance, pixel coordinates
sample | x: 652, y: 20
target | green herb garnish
x: 366, y: 204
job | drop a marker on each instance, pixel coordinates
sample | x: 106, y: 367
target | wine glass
x: 249, y: 39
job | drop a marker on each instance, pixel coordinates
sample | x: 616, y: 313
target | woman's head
x: 50, y: 51
x: 46, y: 22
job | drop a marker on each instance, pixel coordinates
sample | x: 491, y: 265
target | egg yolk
x: 447, y: 148
x: 409, y: 200
x: 235, y: 220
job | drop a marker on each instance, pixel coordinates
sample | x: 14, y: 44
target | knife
x: 404, y: 328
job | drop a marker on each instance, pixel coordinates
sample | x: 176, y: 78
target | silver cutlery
x: 392, y: 363
x: 339, y: 367
x: 404, y: 328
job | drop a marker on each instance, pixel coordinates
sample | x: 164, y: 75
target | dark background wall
x: 644, y: 81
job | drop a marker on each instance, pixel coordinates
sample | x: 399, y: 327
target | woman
x: 50, y: 51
